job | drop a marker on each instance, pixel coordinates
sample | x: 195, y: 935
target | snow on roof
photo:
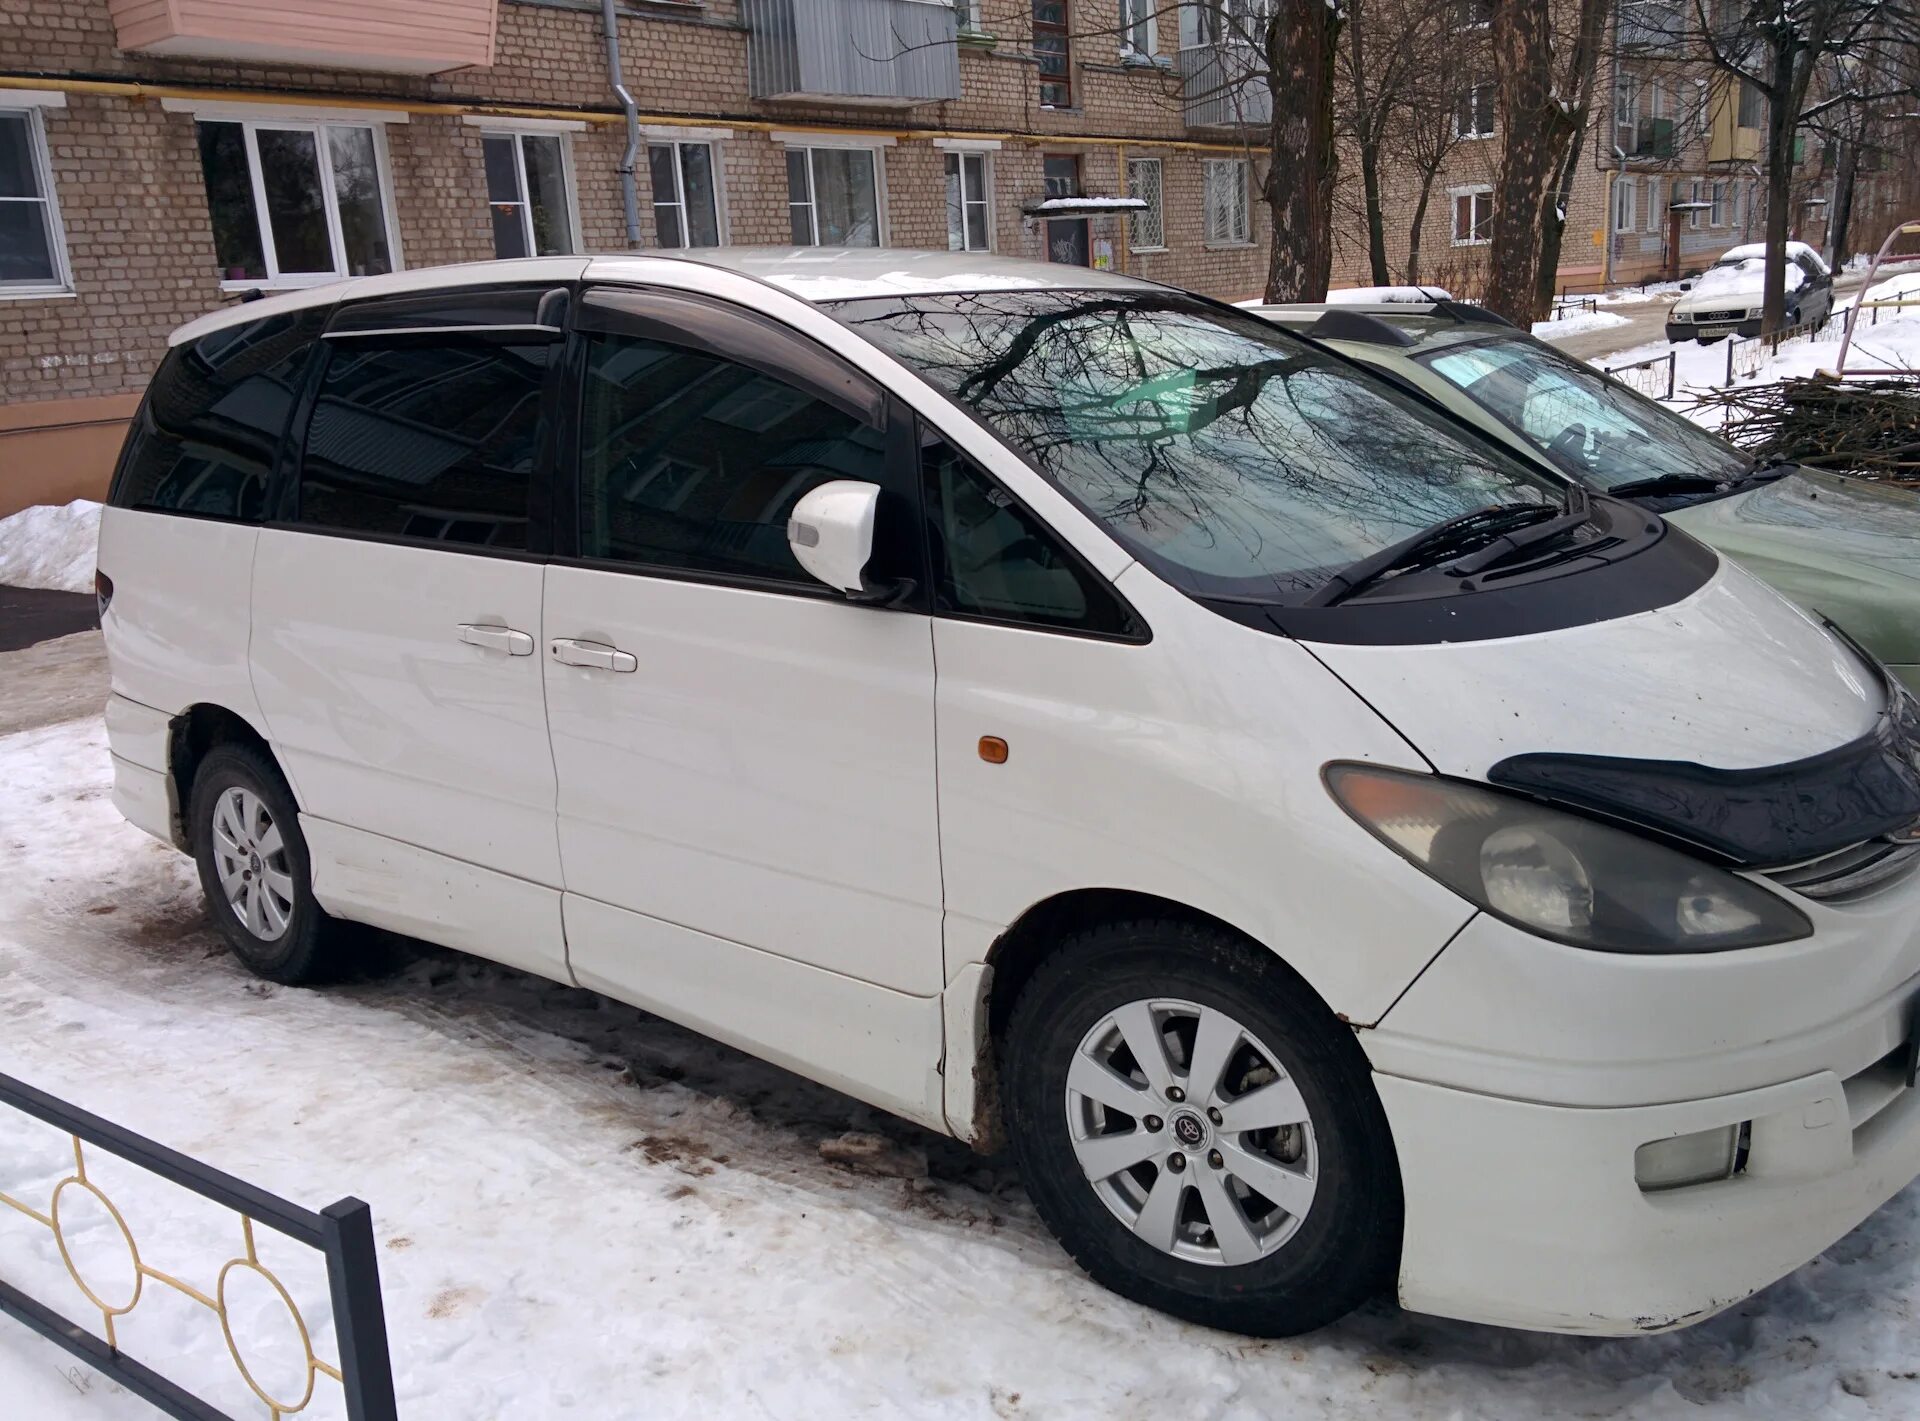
x: 1088, y: 204
x: 1749, y: 250
x: 1373, y: 295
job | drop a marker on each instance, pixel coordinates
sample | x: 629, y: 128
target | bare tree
x: 1300, y: 40
x: 1425, y: 131
x: 1546, y: 56
x: 1778, y: 47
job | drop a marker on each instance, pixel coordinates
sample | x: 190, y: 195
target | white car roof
x: 811, y: 273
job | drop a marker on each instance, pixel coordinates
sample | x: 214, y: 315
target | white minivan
x: 1330, y: 850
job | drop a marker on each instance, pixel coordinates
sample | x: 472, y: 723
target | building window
x: 1473, y: 112
x: 969, y: 213
x: 296, y: 203
x: 32, y: 254
x: 1472, y: 14
x: 1694, y: 196
x: 1050, y: 48
x: 1472, y: 216
x: 1753, y: 107
x: 1718, y: 217
x: 832, y: 199
x: 1656, y: 205
x: 1626, y: 105
x: 968, y: 14
x: 1137, y: 36
x: 1625, y: 189
x: 686, y: 200
x: 1226, y: 202
x: 1146, y: 227
x: 527, y: 191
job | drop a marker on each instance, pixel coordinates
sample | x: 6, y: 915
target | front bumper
x: 1528, y: 1215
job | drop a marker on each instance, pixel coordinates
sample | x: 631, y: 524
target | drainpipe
x: 628, y: 190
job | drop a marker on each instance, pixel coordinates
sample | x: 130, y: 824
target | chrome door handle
x: 497, y: 638
x: 596, y: 655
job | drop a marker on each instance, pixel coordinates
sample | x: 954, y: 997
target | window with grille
x: 1050, y: 48
x: 1147, y: 227
x: 1226, y: 202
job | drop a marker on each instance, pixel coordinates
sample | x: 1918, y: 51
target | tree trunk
x: 1534, y: 131
x: 1419, y: 224
x: 1301, y: 36
x: 1556, y: 230
x: 1840, y: 214
x: 1781, y: 110
x: 1376, y: 219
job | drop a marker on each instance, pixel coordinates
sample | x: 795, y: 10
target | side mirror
x: 831, y: 534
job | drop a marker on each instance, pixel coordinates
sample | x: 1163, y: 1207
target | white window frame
x: 716, y: 163
x: 1626, y: 193
x: 1718, y: 197
x: 518, y: 132
x: 252, y: 118
x: 1471, y: 102
x: 808, y: 143
x: 1131, y: 21
x: 1243, y: 170
x: 1459, y: 26
x: 27, y: 105
x: 959, y: 157
x: 1159, y: 211
x: 1476, y: 191
x: 967, y: 12
x: 1655, y: 207
x: 1696, y: 215
x: 1626, y: 103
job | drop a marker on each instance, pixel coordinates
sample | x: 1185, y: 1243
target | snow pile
x: 1576, y: 321
x: 1376, y: 295
x: 50, y: 547
x: 583, y: 1211
x: 1905, y: 287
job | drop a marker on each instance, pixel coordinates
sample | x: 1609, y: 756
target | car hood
x: 1732, y: 677
x: 1843, y: 547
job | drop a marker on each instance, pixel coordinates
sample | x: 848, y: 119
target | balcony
x: 1223, y: 86
x: 887, y: 53
x: 390, y: 36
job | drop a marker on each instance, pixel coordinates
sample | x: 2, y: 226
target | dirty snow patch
x: 50, y: 547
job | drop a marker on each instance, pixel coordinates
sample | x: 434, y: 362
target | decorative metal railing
x: 342, y: 1233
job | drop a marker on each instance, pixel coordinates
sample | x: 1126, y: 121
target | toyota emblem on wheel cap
x: 1188, y: 1130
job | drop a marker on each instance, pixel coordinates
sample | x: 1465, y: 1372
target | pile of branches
x: 1867, y: 427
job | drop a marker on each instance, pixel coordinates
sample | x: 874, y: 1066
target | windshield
x: 1588, y: 424
x: 1230, y: 456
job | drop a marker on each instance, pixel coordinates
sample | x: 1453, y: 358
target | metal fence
x: 1746, y: 354
x: 1652, y: 377
x: 1566, y: 306
x: 342, y: 1232
x: 1876, y: 307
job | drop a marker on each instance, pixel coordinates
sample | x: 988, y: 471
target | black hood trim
x: 1759, y: 818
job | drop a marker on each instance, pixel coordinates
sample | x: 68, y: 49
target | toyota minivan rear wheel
x: 1199, y: 1131
x: 244, y: 829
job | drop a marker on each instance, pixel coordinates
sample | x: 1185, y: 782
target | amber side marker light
x: 993, y: 750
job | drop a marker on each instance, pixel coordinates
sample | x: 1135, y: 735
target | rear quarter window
x: 206, y: 437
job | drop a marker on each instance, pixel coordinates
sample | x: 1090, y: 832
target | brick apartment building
x: 160, y: 157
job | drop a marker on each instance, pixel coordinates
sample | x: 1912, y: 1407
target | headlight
x: 1556, y: 874
x: 1754, y: 313
x: 1682, y: 317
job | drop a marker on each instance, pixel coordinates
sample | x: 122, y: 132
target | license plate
x: 1718, y: 330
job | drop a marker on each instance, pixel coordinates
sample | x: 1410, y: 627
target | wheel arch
x: 190, y: 736
x: 977, y: 1025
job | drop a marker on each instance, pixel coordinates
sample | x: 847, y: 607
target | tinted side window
x: 436, y: 438
x: 692, y: 461
x: 993, y: 559
x: 204, y: 441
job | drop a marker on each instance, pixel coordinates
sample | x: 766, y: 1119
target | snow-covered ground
x: 1575, y: 321
x: 52, y: 547
x: 586, y: 1212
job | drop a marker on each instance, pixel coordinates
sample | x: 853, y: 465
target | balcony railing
x: 394, y: 36
x: 1224, y: 87
x: 888, y: 52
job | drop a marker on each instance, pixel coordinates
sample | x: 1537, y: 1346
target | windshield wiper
x: 1497, y: 521
x: 1670, y: 485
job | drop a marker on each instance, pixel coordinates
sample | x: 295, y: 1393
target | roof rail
x: 1461, y: 311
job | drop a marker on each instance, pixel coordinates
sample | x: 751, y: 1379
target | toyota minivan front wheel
x: 1200, y: 1132
x: 245, y: 833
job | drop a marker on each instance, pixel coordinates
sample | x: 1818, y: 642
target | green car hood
x: 1843, y: 547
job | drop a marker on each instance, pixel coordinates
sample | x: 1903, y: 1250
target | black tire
x: 311, y: 949
x: 1346, y: 1246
